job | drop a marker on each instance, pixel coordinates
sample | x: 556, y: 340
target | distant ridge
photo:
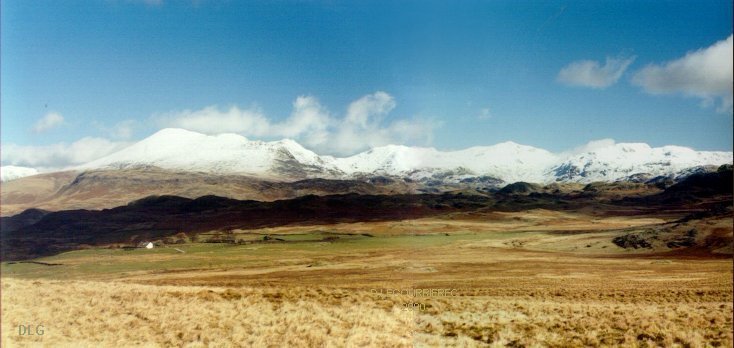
x: 183, y: 150
x: 37, y: 232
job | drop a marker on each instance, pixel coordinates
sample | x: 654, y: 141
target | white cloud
x: 705, y: 73
x: 592, y: 145
x: 121, y: 130
x: 49, y: 121
x: 369, y: 110
x: 589, y: 73
x: 413, y: 131
x: 212, y: 120
x: 364, y: 127
x: 484, y: 114
x: 124, y: 129
x: 310, y: 123
x: 60, y: 155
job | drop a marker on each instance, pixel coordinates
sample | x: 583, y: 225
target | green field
x: 306, y: 248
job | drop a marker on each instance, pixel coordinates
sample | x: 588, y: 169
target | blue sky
x: 339, y: 77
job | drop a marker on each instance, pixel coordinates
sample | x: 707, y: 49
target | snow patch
x: 184, y: 150
x: 8, y: 173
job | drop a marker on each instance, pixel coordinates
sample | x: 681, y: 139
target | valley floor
x: 536, y: 278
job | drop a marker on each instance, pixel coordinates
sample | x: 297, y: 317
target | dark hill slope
x: 694, y: 189
x: 520, y: 187
x: 160, y: 216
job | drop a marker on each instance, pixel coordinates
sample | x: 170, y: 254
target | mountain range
x: 191, y: 165
x: 700, y: 199
x: 286, y: 160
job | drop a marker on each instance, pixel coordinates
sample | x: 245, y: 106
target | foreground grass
x: 515, y: 286
x: 116, y: 314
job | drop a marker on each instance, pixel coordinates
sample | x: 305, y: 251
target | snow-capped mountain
x: 8, y: 173
x: 184, y: 150
x: 509, y: 161
x: 620, y: 161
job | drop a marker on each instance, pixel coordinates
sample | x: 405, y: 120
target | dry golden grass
x: 473, y: 222
x: 92, y: 314
x: 114, y: 314
x: 518, y: 283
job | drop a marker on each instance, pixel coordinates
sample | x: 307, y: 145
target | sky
x: 81, y: 79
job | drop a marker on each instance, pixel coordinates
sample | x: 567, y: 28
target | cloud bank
x: 60, y: 155
x: 591, y: 146
x: 47, y: 122
x: 363, y: 126
x: 590, y: 73
x: 705, y: 73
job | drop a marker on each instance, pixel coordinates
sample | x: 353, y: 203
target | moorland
x: 594, y: 265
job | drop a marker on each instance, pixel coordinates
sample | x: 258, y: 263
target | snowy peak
x: 389, y: 160
x: 620, y: 161
x: 184, y: 150
x: 508, y: 160
x: 8, y: 173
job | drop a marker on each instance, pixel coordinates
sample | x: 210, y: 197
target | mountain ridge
x: 507, y: 162
x: 37, y: 232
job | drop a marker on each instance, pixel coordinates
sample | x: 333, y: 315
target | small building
x: 145, y: 245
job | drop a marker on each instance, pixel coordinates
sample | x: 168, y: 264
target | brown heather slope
x: 99, y: 189
x: 161, y: 216
x: 34, y: 234
x: 530, y: 269
x: 512, y: 289
x: 25, y: 193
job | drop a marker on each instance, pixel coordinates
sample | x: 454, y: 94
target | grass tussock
x: 117, y: 314
x: 114, y: 314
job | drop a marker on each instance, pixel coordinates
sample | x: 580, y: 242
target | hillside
x: 189, y: 164
x: 96, y: 189
x: 36, y: 232
x: 182, y: 150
